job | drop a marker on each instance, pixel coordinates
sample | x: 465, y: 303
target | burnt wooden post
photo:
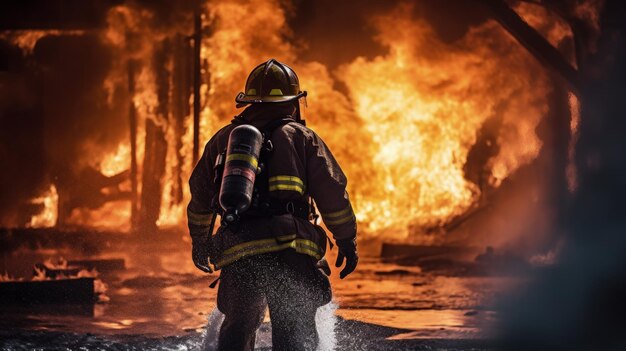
x: 156, y: 145
x: 533, y: 42
x: 197, y: 43
x: 132, y: 119
x: 180, y: 108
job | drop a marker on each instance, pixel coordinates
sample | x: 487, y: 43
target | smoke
x: 578, y: 303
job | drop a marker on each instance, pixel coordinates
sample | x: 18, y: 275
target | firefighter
x: 270, y: 251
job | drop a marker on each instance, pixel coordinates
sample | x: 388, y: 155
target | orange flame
x: 116, y: 162
x: 571, y: 170
x: 424, y: 103
x: 27, y: 39
x: 404, y: 131
x: 48, y: 216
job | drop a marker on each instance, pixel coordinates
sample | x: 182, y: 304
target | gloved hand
x: 200, y: 256
x: 347, y: 251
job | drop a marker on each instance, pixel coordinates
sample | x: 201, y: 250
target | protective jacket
x: 299, y: 167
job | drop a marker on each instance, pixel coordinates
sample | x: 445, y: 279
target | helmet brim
x: 244, y: 99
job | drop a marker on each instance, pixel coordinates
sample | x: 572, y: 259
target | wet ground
x: 162, y: 302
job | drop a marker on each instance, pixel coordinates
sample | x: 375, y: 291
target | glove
x: 347, y: 251
x: 200, y: 256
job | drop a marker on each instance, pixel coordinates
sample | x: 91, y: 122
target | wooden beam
x: 197, y: 81
x: 132, y: 120
x: 154, y: 163
x: 534, y: 42
x: 180, y: 106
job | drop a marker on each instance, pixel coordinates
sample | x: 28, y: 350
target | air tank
x: 240, y: 169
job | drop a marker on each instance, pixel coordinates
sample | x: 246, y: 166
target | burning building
x: 458, y: 124
x: 436, y: 122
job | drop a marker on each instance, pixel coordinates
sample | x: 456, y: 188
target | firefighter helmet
x: 271, y: 81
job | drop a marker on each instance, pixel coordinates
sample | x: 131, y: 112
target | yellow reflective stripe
x: 286, y: 183
x: 304, y: 250
x: 276, y: 92
x: 305, y: 242
x: 299, y: 245
x: 339, y: 221
x: 198, y: 218
x: 243, y: 157
x: 340, y: 217
x: 231, y: 259
x: 341, y: 213
x: 258, y: 243
x: 285, y: 178
x: 287, y: 187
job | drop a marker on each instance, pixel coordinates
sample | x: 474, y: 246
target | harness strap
x: 278, y: 207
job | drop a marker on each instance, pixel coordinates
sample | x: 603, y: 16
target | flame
x: 411, y: 116
x: 6, y: 277
x: 116, y: 162
x: 404, y: 129
x: 554, y: 28
x: 27, y: 39
x: 39, y: 274
x: 100, y: 287
x: 59, y: 263
x: 424, y: 103
x: 48, y: 216
x: 571, y: 170
x: 589, y: 11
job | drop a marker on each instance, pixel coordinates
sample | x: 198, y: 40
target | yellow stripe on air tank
x: 243, y: 157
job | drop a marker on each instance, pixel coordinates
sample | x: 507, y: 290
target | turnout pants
x: 289, y: 284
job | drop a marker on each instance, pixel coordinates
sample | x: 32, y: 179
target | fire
x: 48, y: 216
x: 571, y: 171
x: 100, y: 287
x: 550, y: 25
x: 412, y: 116
x: 26, y: 39
x: 424, y: 104
x: 116, y: 162
x: 406, y: 129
